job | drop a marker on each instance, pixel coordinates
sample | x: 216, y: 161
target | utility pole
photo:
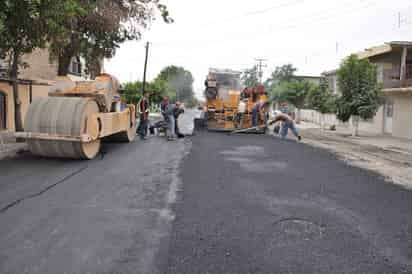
x: 260, y: 67
x: 145, y: 69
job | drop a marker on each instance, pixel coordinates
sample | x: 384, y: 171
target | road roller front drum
x: 72, y: 127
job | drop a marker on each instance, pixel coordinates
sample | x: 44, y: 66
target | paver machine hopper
x: 223, y: 95
x: 76, y: 116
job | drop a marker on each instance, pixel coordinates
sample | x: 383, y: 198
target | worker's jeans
x: 285, y: 128
x: 171, y: 126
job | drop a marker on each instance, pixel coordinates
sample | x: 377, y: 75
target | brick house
x: 34, y: 81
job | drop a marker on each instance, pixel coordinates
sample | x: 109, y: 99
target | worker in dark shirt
x: 163, y: 105
x: 143, y: 110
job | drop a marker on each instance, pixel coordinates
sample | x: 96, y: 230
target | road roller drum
x: 61, y: 117
x: 72, y: 123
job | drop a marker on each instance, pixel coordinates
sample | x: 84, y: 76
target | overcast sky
x: 313, y: 35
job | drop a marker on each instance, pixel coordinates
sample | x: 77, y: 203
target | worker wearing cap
x: 287, y: 123
x: 143, y: 110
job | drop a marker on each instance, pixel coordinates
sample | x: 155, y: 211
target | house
x: 394, y: 65
x: 34, y: 81
x: 311, y: 79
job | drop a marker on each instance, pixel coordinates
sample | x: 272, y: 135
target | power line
x: 317, y: 17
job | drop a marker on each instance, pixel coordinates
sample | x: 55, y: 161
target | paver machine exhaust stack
x: 223, y: 94
x: 76, y: 116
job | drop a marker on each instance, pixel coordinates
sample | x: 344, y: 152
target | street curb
x: 12, y: 152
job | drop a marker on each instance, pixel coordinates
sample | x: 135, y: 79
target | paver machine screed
x: 76, y: 116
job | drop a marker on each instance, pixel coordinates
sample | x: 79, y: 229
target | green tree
x: 24, y: 26
x: 178, y: 83
x: 277, y: 83
x: 283, y: 73
x: 295, y: 92
x: 321, y: 99
x: 131, y: 92
x: 359, y: 88
x: 97, y: 32
x: 249, y: 77
x: 172, y: 81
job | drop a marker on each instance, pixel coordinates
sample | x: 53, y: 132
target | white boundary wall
x: 373, y: 126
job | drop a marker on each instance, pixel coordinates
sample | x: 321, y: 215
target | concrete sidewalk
x: 387, y: 155
x: 385, y: 142
x: 8, y: 145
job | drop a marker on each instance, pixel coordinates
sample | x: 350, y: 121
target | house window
x: 389, y: 109
x: 76, y: 66
x: 380, y: 73
x: 3, y: 116
x: 3, y: 68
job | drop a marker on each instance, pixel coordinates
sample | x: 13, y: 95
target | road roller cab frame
x: 76, y: 116
x: 223, y: 94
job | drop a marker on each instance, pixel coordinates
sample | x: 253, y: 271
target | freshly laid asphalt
x: 109, y: 215
x: 257, y: 204
x: 211, y: 203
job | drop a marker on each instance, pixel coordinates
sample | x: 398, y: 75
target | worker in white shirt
x: 241, y: 109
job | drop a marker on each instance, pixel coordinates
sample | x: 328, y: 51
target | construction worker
x: 163, y: 105
x: 179, y: 110
x: 170, y: 111
x: 259, y: 109
x: 241, y: 109
x: 287, y: 123
x: 143, y: 110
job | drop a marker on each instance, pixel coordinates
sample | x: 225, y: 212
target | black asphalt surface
x: 212, y: 203
x: 257, y: 204
x: 109, y: 215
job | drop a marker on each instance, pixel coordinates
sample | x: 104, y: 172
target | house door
x: 2, y: 111
x: 388, y: 116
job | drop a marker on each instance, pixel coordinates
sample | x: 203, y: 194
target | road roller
x: 76, y: 117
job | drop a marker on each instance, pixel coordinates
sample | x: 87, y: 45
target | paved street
x: 110, y: 215
x: 261, y: 205
x: 209, y: 204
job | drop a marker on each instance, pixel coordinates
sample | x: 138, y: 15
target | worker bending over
x: 287, y: 123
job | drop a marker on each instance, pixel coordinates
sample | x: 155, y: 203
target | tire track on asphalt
x: 41, y: 192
